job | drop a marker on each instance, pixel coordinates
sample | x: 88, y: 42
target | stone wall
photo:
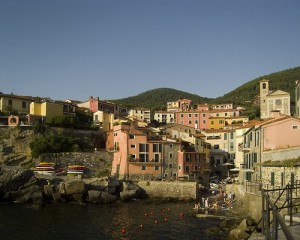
x: 282, y: 176
x: 249, y: 202
x: 172, y: 189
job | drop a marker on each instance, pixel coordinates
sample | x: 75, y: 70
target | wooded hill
x: 244, y: 95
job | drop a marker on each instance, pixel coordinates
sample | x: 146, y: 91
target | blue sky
x: 73, y: 49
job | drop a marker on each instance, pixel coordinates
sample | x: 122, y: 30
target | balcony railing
x: 138, y: 160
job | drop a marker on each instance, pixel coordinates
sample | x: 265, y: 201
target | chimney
x: 275, y: 114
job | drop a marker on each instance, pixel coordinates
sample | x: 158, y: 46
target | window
x: 9, y: 102
x: 204, y: 121
x: 187, y: 169
x: 196, y: 114
x: 23, y: 104
x: 144, y: 147
x: 264, y: 86
x: 190, y: 115
x: 132, y: 145
x: 156, y: 147
x: 231, y: 135
x: 190, y: 122
x: 195, y: 168
x: 170, y: 155
x: 171, y: 145
x: 272, y: 178
x: 212, y: 122
x: 131, y: 136
x: 181, y: 115
x: 282, y: 179
x: 156, y: 168
x: 179, y: 168
x: 144, y: 157
x: 216, y: 146
x: 295, y: 127
x: 221, y: 121
x: 203, y: 115
x: 170, y: 165
x: 143, y: 167
x: 225, y: 136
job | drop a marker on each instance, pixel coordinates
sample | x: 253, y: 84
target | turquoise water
x: 134, y: 220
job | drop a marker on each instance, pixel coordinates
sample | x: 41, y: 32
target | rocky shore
x: 22, y: 186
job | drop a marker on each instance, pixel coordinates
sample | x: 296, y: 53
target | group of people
x: 220, y: 200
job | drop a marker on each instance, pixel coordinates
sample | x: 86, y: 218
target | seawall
x: 249, y: 202
x: 176, y: 189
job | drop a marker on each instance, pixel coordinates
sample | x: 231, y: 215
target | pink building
x: 188, y: 118
x: 137, y: 153
x: 275, y: 139
x: 141, y: 154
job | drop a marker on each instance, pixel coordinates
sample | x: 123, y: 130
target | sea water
x: 133, y: 220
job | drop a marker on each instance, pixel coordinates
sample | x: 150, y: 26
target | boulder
x: 95, y: 196
x: 12, y: 180
x: 131, y: 191
x: 238, y: 234
x: 56, y: 197
x: 71, y: 187
x: 31, y: 194
x: 128, y: 195
x: 48, y: 190
x: 107, y: 184
x: 78, y: 197
x: 107, y: 198
x: 243, y: 225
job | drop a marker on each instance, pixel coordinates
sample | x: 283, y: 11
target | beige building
x: 273, y: 100
x: 104, y: 120
x: 141, y: 113
x: 13, y: 104
x: 164, y: 117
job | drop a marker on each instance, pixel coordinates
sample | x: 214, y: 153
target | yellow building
x: 48, y: 110
x: 104, y: 120
x: 13, y: 104
x: 216, y: 122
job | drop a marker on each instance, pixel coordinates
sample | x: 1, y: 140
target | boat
x: 45, y: 168
x: 76, y: 169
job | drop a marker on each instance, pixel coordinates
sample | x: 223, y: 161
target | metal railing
x: 272, y: 220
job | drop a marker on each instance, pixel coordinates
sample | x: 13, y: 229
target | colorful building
x: 13, y: 104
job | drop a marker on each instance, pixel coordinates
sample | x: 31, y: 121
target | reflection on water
x: 135, y: 220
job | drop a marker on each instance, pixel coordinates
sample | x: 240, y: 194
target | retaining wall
x: 176, y: 189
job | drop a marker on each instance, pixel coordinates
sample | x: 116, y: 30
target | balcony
x: 142, y: 161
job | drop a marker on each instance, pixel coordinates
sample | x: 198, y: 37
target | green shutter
x: 272, y: 178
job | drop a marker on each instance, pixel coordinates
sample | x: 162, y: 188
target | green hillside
x: 244, y: 95
x: 283, y: 80
x: 157, y: 99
